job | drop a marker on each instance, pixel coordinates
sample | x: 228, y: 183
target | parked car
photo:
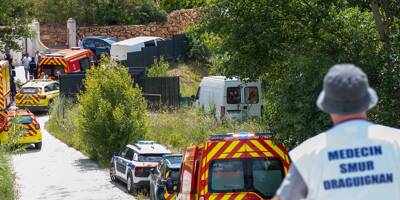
x: 229, y: 97
x: 98, y: 45
x: 119, y: 50
x: 167, y: 169
x: 37, y: 94
x: 24, y: 121
x: 134, y: 163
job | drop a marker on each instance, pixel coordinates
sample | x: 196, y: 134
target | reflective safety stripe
x: 27, y: 99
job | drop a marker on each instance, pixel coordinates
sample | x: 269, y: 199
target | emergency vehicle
x: 167, y: 169
x: 37, y: 94
x: 65, y: 61
x: 232, y: 166
x: 135, y: 162
x: 5, y: 89
x: 21, y: 126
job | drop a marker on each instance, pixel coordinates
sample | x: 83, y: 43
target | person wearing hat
x: 355, y: 159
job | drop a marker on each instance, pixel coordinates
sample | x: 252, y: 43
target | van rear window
x: 233, y: 95
x: 251, y: 95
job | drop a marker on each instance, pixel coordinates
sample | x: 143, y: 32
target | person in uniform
x: 355, y: 159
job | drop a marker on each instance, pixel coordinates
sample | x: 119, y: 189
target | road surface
x: 59, y: 172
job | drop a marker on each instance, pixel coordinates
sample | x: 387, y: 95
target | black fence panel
x: 172, y: 50
x: 71, y: 84
x: 166, y: 87
x: 158, y: 91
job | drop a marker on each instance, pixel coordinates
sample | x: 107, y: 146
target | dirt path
x: 59, y: 172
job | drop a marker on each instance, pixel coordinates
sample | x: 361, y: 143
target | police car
x: 135, y: 162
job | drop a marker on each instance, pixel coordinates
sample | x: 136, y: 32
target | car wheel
x: 113, y: 174
x: 38, y: 145
x: 129, y: 184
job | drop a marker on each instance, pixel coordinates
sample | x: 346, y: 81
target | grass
x: 181, y: 128
x: 7, y: 178
x: 190, y: 77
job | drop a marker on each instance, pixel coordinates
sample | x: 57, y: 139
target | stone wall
x: 177, y: 22
x: 53, y: 36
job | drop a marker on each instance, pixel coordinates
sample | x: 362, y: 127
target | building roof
x: 136, y: 40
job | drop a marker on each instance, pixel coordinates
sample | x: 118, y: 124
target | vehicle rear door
x: 252, y: 100
x: 28, y: 96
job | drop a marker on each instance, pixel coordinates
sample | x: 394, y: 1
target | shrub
x: 111, y: 111
x: 159, y: 68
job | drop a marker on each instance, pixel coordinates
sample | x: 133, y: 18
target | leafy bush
x: 99, y: 12
x: 111, y: 111
x: 171, y: 5
x: 180, y: 128
x: 159, y: 68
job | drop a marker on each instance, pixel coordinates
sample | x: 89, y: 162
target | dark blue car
x: 167, y: 171
x: 98, y: 45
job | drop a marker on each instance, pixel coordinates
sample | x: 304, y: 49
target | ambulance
x: 20, y: 126
x: 5, y: 89
x: 74, y: 60
x: 243, y: 166
x: 37, y: 94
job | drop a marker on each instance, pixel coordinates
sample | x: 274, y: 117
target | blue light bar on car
x: 145, y: 142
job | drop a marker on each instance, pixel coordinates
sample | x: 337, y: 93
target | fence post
x: 71, y: 26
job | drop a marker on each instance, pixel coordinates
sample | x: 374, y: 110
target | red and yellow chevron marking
x: 27, y: 99
x: 52, y: 61
x: 246, y: 148
x: 30, y: 129
x: 234, y: 196
x: 168, y: 196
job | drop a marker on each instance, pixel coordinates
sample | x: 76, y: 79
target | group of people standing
x: 31, y: 65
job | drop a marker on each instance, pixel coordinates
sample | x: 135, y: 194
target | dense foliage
x: 14, y: 18
x: 111, y: 111
x: 290, y: 44
x: 104, y: 12
x: 171, y: 5
x: 159, y: 68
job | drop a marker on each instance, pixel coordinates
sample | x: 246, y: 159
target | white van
x: 230, y: 98
x: 119, y: 50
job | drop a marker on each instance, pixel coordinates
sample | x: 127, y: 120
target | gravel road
x: 59, y: 172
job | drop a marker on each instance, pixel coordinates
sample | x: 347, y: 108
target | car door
x: 120, y: 165
x: 159, y: 185
x: 128, y: 161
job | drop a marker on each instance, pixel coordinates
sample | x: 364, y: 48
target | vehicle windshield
x: 174, y: 159
x: 21, y: 119
x: 29, y: 90
x: 260, y: 175
x: 150, y: 158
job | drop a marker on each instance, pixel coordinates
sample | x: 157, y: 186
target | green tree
x: 159, y: 68
x: 112, y: 112
x: 290, y: 44
x: 171, y: 5
x: 14, y: 20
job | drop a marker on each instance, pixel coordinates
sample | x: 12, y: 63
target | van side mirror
x: 13, y: 74
x: 193, y: 98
